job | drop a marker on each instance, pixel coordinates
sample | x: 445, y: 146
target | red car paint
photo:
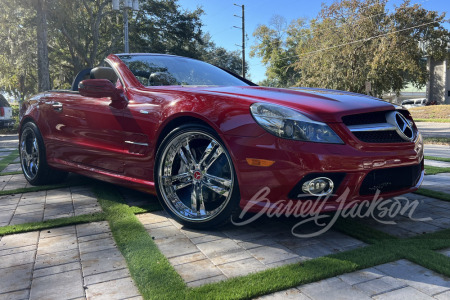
x: 87, y: 135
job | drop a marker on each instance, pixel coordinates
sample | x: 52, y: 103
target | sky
x: 219, y: 19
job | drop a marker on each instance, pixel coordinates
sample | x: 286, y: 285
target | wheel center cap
x: 197, y: 175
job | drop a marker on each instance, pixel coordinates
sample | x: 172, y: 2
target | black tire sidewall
x: 225, y: 215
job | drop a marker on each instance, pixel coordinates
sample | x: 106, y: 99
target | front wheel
x: 195, y: 178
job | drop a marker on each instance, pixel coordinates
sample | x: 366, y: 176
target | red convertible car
x: 206, y: 141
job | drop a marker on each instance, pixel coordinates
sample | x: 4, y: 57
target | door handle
x: 57, y: 106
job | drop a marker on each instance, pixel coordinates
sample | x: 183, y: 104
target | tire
x: 33, y: 158
x: 195, y: 178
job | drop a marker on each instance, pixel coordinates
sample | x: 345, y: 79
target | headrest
x: 104, y: 73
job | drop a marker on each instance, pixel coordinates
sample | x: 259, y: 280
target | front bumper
x: 294, y: 160
x: 6, y: 122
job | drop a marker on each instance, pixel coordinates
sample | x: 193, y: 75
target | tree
x: 352, y: 42
x: 220, y: 57
x: 81, y: 33
x: 18, y: 61
x: 42, y: 50
x: 277, y: 49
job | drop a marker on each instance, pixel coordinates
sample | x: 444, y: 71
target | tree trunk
x: 42, y: 50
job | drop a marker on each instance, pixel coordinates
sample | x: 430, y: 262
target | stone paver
x: 45, y: 205
x: 72, y: 262
x: 202, y: 257
x: 14, y: 167
x: 439, y: 182
x: 396, y: 280
x: 12, y: 182
x: 430, y: 215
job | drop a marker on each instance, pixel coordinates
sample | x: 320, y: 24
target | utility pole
x: 243, y: 37
x: 132, y: 5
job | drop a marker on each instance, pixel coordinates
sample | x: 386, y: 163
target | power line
x: 335, y: 26
x: 354, y: 42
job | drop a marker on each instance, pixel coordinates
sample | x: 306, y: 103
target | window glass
x: 160, y: 70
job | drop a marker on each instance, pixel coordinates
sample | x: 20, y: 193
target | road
x: 432, y: 129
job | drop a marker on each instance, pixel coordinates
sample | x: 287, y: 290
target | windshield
x: 159, y: 70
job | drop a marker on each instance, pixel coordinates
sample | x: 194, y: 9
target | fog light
x: 320, y: 186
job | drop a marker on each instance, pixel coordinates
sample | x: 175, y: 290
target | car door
x: 84, y: 131
x: 140, y: 120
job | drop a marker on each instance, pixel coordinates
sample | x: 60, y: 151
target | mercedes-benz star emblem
x: 402, y: 125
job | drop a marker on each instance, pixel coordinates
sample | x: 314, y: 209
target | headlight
x: 289, y: 124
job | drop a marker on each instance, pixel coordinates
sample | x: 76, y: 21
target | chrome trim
x: 371, y: 127
x: 143, y: 112
x: 136, y: 143
x: 401, y: 129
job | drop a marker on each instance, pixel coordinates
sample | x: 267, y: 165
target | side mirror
x: 100, y: 88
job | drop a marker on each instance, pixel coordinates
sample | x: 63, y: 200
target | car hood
x: 318, y: 104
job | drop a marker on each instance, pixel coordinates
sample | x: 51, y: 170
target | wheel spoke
x: 194, y: 198
x: 184, y: 179
x: 179, y: 186
x: 222, y: 181
x: 212, y: 158
x: 181, y: 177
x: 209, y: 149
x: 197, y: 203
x: 189, y: 157
x: 219, y: 190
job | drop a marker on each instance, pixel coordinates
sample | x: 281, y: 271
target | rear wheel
x: 195, y: 177
x: 33, y: 159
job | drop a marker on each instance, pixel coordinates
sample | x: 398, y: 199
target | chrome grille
x: 379, y: 127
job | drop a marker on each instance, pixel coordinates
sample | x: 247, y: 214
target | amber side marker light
x: 259, y: 162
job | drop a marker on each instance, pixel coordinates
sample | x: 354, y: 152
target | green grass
x: 26, y: 227
x: 145, y: 208
x: 433, y: 120
x: 11, y: 173
x: 433, y: 194
x: 437, y: 140
x: 431, y: 170
x: 446, y: 159
x: 8, y: 159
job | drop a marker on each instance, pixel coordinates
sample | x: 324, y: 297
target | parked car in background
x: 207, y: 141
x: 6, y: 118
x: 408, y: 103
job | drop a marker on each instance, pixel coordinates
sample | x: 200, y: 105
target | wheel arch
x: 176, y: 122
x: 26, y: 119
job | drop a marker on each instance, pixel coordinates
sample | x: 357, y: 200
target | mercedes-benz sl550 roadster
x: 206, y: 141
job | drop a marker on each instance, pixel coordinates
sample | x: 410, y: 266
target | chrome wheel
x: 29, y: 153
x: 195, y: 176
